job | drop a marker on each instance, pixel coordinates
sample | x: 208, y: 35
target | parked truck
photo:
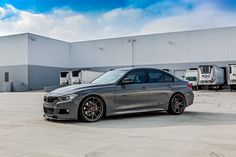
x: 65, y: 78
x: 86, y: 76
x: 232, y: 76
x: 192, y: 77
x: 78, y: 76
x: 211, y: 77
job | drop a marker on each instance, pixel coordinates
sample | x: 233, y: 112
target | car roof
x: 134, y: 68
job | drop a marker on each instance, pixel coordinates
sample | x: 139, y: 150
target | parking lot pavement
x: 206, y: 129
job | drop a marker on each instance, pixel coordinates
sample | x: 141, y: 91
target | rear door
x: 160, y: 88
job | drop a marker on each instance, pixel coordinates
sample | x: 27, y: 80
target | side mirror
x: 126, y: 81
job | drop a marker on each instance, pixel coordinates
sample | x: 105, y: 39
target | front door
x: 133, y: 95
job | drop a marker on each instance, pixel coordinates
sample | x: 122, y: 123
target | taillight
x: 190, y: 85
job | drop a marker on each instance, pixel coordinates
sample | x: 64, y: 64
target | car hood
x: 75, y: 88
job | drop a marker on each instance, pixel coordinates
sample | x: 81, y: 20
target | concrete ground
x: 206, y: 129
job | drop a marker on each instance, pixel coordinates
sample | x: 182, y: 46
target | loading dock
x: 36, y: 61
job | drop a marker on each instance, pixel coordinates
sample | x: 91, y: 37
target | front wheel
x: 91, y: 109
x: 177, y: 104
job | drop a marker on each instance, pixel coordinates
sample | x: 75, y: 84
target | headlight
x: 68, y: 97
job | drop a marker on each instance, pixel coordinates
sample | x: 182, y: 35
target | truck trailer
x: 232, y: 76
x: 78, y: 77
x: 211, y: 77
x: 192, y: 77
x: 65, y: 78
x: 87, y: 76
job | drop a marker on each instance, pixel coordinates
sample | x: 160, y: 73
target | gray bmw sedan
x: 121, y: 91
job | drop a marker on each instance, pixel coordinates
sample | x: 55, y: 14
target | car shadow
x: 159, y: 119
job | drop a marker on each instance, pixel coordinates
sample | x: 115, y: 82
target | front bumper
x: 60, y: 110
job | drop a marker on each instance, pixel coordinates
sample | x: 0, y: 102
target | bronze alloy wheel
x: 92, y: 109
x: 177, y: 104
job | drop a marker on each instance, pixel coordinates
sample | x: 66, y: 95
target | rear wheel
x: 177, y: 104
x: 91, y: 109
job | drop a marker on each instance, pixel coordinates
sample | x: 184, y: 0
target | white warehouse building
x: 36, y: 61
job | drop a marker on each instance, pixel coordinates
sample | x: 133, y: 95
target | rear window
x: 156, y: 76
x: 191, y: 78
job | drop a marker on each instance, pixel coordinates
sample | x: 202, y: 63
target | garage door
x: 179, y: 73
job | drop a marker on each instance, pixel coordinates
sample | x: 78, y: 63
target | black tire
x: 220, y: 87
x: 91, y: 109
x: 195, y: 88
x: 177, y: 104
x: 199, y: 87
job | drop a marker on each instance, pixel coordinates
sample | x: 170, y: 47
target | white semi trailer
x: 86, y: 76
x: 65, y: 78
x: 211, y: 77
x: 192, y: 77
x: 78, y: 76
x: 232, y: 76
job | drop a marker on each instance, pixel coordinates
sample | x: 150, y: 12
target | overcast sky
x: 76, y: 20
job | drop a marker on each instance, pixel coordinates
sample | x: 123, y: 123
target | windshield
x: 191, y: 78
x: 110, y: 77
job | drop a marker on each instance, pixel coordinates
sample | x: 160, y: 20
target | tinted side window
x: 137, y: 76
x: 156, y: 76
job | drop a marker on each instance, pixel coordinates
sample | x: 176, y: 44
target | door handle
x: 169, y: 85
x: 144, y: 88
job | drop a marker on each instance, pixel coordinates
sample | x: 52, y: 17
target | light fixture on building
x: 32, y: 38
x: 132, y: 49
x: 171, y: 42
x: 100, y: 48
